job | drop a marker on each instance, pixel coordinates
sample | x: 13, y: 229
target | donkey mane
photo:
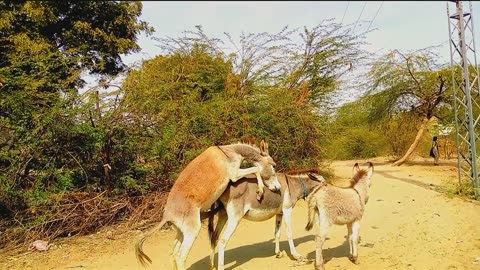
x: 250, y: 151
x: 357, y: 177
x: 250, y: 144
x: 302, y: 171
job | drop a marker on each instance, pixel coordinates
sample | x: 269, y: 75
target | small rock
x: 109, y: 235
x: 39, y: 245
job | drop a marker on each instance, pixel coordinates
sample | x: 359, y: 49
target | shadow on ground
x: 243, y: 254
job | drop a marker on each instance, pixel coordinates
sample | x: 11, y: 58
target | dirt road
x: 406, y: 226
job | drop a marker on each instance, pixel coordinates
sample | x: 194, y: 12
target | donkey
x: 200, y: 184
x: 340, y: 206
x: 238, y: 201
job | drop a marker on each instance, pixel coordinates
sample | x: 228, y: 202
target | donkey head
x: 267, y: 166
x: 362, y: 175
x: 358, y: 173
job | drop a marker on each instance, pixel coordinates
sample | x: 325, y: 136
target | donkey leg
x: 320, y: 239
x: 287, y: 215
x: 256, y: 171
x: 349, y: 238
x: 278, y: 225
x: 190, y: 229
x: 260, y: 187
x: 232, y: 223
x: 176, y: 246
x: 354, y: 243
x: 222, y: 219
x: 177, y: 242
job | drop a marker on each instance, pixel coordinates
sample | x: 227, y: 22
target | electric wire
x: 353, y: 31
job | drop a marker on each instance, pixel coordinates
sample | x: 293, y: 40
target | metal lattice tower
x: 466, y: 92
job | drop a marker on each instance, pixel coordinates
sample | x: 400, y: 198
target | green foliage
x: 354, y: 133
x: 407, y: 90
x: 400, y: 131
x: 359, y: 142
x: 412, y: 82
x: 139, y: 137
x: 192, y: 97
x: 44, y: 48
x: 293, y: 129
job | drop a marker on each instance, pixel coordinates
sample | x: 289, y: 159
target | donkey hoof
x: 299, y: 258
x: 354, y: 259
x: 319, y: 267
x: 259, y: 194
x: 279, y: 254
x: 273, y: 188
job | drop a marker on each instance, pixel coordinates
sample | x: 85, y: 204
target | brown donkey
x: 200, y: 184
x: 238, y: 202
x: 340, y: 206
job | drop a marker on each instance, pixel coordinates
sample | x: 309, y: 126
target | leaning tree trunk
x: 414, y: 144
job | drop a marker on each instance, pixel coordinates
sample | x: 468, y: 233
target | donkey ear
x: 316, y: 177
x: 370, y: 165
x: 264, y: 147
x: 356, y: 168
x: 312, y: 176
x: 370, y: 168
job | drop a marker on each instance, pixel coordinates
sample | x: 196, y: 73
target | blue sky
x: 403, y: 25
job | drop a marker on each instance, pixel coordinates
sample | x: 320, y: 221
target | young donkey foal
x: 340, y: 206
x: 239, y: 202
x: 200, y: 184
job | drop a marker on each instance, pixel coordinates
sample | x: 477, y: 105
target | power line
x: 378, y: 10
x: 359, y: 17
x: 345, y: 12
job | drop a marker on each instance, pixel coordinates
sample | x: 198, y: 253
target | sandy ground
x: 406, y: 225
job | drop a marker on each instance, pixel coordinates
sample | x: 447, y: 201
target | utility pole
x: 466, y: 88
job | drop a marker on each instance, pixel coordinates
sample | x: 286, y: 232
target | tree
x: 179, y: 104
x: 310, y: 62
x: 45, y: 47
x: 412, y: 83
x: 196, y: 95
x: 353, y: 133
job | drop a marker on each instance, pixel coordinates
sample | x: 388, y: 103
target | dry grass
x: 80, y: 213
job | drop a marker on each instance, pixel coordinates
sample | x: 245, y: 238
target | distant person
x: 434, y: 151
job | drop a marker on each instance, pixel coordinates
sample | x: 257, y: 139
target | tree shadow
x: 245, y: 253
x: 447, y: 162
x: 416, y: 182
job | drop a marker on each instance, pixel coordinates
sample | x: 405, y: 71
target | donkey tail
x: 312, y: 207
x: 212, y: 234
x: 141, y: 256
x: 311, y: 215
